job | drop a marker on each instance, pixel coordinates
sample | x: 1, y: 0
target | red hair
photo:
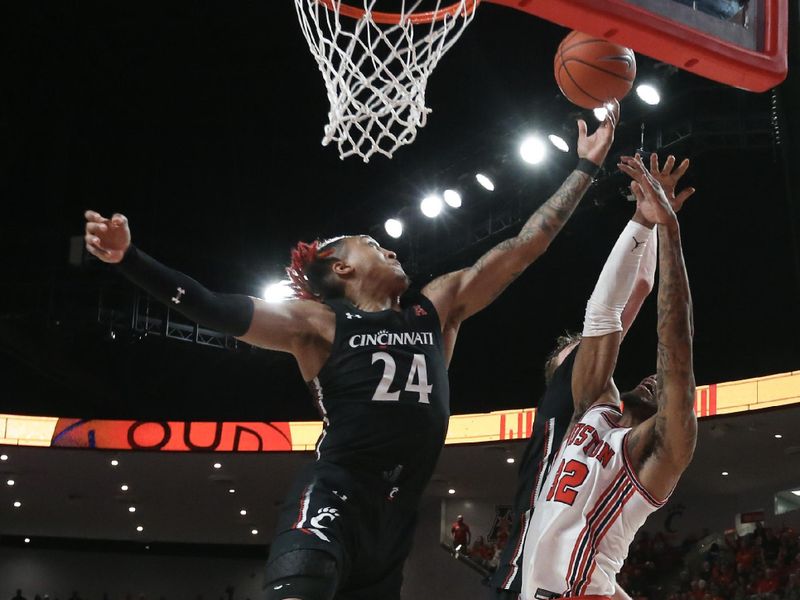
x: 305, y: 256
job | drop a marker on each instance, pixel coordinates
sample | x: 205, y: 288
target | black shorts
x: 366, y: 525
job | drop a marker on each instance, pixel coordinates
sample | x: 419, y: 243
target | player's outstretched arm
x: 661, y: 448
x: 607, y: 311
x: 461, y: 294
x: 279, y: 326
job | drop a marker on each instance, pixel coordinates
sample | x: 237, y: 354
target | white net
x: 375, y: 73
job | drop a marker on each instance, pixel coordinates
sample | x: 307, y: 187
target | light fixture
x: 3, y: 456
x: 132, y: 509
x: 243, y: 512
x: 796, y: 492
x: 724, y: 473
x: 231, y: 491
x: 451, y: 491
x: 254, y: 531
x: 431, y: 206
x: 452, y: 198
x: 558, y: 142
x: 600, y: 113
x: 139, y: 528
x: 124, y: 487
x: 511, y: 460
x: 532, y: 150
x: 278, y: 291
x: 648, y: 94
x: 27, y: 540
x: 394, y: 228
x: 17, y: 504
x: 217, y: 465
x: 114, y: 462
x: 778, y: 436
x: 10, y: 482
x: 485, y: 182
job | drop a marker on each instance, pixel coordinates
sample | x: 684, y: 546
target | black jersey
x: 553, y: 416
x: 383, y: 393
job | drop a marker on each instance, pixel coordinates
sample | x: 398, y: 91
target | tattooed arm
x: 661, y: 447
x: 461, y: 294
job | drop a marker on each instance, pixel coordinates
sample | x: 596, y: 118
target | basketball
x: 591, y: 71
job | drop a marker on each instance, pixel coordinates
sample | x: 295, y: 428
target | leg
x: 303, y: 574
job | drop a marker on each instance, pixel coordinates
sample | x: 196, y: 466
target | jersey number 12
x: 419, y: 371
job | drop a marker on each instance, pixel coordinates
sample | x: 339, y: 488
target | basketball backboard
x: 742, y: 43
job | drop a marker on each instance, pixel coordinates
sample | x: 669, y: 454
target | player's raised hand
x: 595, y: 147
x: 651, y: 200
x: 668, y: 177
x: 107, y: 239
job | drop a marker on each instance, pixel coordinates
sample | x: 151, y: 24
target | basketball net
x: 376, y: 65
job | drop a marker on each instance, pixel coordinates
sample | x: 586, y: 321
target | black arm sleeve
x: 230, y: 314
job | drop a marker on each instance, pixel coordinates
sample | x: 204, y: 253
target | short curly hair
x: 563, y: 341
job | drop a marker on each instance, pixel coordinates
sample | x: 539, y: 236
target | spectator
x: 19, y: 596
x: 461, y: 533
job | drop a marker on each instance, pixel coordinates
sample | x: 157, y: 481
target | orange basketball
x: 591, y: 71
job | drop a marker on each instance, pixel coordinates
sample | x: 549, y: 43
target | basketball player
x: 613, y: 469
x: 555, y: 409
x: 377, y: 368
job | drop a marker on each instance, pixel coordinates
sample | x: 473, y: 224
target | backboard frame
x: 638, y: 25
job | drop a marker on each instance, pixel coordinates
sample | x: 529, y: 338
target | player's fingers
x: 96, y: 228
x: 612, y: 108
x: 681, y: 168
x: 582, y: 129
x: 93, y: 216
x: 119, y: 219
x: 668, y: 165
x: 684, y: 196
x: 629, y: 171
x: 654, y: 163
x: 637, y: 191
x: 94, y: 246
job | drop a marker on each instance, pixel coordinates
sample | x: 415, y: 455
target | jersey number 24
x: 419, y: 371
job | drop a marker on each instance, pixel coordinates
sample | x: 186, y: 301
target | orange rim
x: 422, y: 18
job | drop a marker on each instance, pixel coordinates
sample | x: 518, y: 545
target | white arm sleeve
x: 614, y: 286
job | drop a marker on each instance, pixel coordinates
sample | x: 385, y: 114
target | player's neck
x: 370, y: 299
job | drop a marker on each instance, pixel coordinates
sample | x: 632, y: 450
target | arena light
x: 451, y: 491
x: 510, y: 460
x: 10, y: 482
x: 431, y: 206
x: 114, y: 462
x: 725, y: 473
x: 648, y: 94
x: 558, y: 142
x: 124, y: 487
x: 139, y: 528
x: 254, y: 531
x: 394, y: 228
x: 27, y: 540
x: 279, y: 291
x: 452, y: 198
x: 17, y: 504
x: 3, y: 457
x: 778, y: 436
x: 485, y: 182
x: 131, y: 509
x: 600, y: 113
x: 243, y: 512
x: 532, y: 150
x: 796, y: 492
x: 231, y: 491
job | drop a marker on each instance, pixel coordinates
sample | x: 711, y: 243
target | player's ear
x: 342, y: 268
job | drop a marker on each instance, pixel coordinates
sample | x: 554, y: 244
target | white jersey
x: 589, y: 509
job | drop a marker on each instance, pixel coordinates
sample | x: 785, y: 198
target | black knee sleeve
x: 305, y: 574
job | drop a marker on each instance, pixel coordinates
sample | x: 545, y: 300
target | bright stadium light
x: 558, y: 142
x: 394, y: 228
x: 279, y: 291
x: 485, y: 182
x: 532, y: 150
x: 452, y: 198
x: 431, y: 206
x: 648, y: 94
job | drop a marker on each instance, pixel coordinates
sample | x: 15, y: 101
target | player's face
x: 375, y: 263
x: 641, y: 400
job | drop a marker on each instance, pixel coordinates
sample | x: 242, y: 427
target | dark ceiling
x: 201, y: 122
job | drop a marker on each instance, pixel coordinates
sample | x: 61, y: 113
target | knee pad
x: 305, y: 574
